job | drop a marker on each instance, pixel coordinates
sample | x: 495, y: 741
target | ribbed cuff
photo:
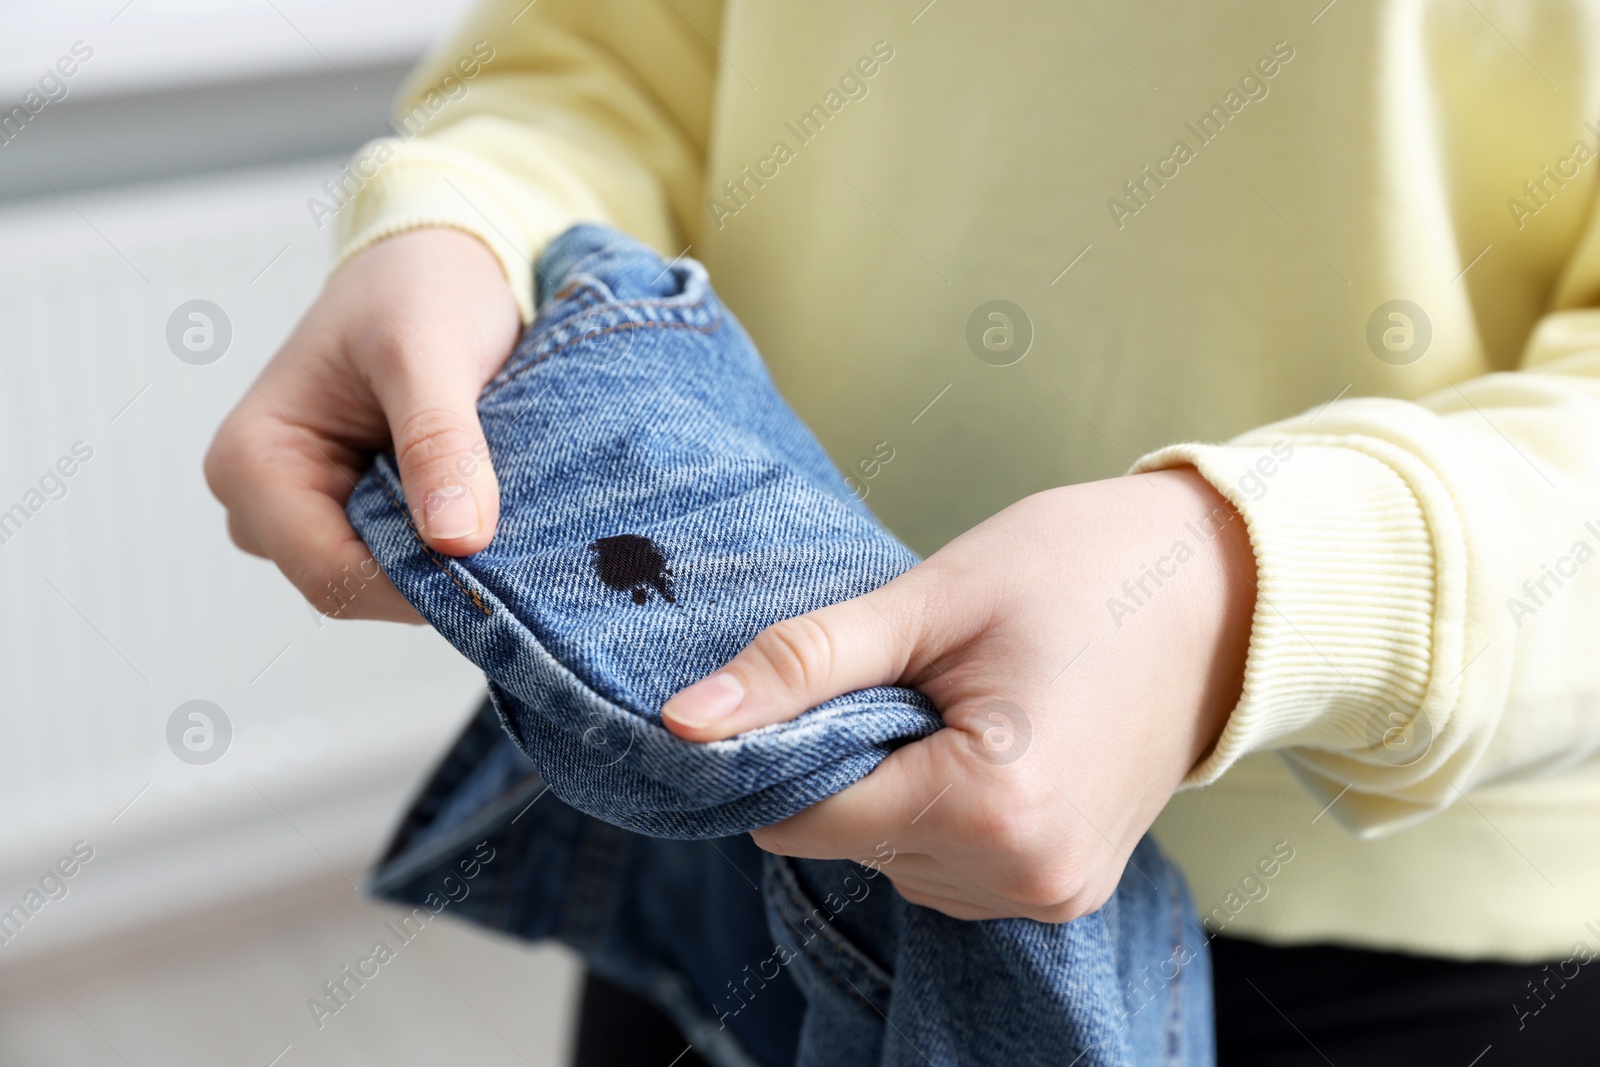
x: 421, y: 185
x: 1340, y: 642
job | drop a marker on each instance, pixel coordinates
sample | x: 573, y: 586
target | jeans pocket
x: 833, y: 926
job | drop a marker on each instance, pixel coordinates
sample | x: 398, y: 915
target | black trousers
x: 1321, y: 1004
x: 1283, y: 1007
x: 617, y: 1028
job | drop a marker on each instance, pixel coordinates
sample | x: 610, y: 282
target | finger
x: 802, y: 662
x: 925, y: 874
x: 985, y: 906
x: 285, y: 490
x: 332, y: 567
x: 955, y: 907
x: 242, y: 537
x: 891, y: 811
x: 926, y: 881
x: 449, y: 482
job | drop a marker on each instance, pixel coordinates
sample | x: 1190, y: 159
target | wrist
x: 1225, y: 606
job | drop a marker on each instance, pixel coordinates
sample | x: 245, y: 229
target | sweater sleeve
x: 533, y: 117
x: 1428, y: 606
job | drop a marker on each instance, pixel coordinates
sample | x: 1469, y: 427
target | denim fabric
x: 660, y: 506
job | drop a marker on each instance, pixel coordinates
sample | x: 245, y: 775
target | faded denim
x: 660, y: 506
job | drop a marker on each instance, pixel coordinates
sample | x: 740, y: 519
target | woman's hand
x: 394, y: 351
x: 1085, y: 647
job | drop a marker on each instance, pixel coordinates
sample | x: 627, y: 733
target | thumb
x: 444, y: 464
x: 802, y: 662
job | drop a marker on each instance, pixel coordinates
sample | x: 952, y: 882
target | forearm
x: 533, y: 118
x: 1395, y: 652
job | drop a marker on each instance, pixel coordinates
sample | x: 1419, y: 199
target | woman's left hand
x: 1085, y: 647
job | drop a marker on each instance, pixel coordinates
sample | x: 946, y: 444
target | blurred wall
x: 173, y: 165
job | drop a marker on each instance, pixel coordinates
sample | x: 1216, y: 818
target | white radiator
x: 123, y: 598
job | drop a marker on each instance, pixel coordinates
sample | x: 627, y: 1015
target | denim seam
x: 576, y: 272
x: 427, y: 551
x: 592, y: 295
x: 868, y: 971
x: 575, y: 269
x: 589, y: 291
x: 496, y: 387
x: 586, y: 294
x: 1175, y: 1030
x: 603, y: 298
x: 485, y: 823
x: 593, y: 883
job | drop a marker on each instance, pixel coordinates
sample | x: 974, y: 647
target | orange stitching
x: 471, y: 593
x: 579, y: 290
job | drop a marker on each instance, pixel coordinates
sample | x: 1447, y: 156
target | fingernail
x: 449, y: 513
x: 706, y: 702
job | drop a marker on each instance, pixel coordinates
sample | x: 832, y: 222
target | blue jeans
x: 660, y: 506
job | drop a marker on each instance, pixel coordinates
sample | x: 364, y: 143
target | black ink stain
x: 629, y: 563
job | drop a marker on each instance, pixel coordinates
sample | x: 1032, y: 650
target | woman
x: 992, y: 255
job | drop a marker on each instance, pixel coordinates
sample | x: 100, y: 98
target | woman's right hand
x: 393, y: 353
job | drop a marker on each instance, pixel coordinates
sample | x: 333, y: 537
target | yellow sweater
x: 1354, y: 244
